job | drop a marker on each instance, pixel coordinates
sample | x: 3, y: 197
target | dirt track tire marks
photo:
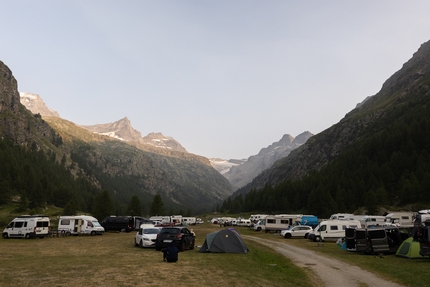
x: 331, y: 271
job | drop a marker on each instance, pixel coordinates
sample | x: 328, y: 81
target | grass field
x: 112, y: 260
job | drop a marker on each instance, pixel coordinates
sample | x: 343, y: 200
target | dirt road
x: 331, y: 272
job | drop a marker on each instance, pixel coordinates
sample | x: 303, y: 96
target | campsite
x: 112, y: 260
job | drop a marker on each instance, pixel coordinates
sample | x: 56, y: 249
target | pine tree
x: 157, y: 206
x: 134, y: 206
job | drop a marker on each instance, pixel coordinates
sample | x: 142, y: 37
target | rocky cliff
x: 242, y: 174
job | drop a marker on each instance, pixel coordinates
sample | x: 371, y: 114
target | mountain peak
x: 36, y: 105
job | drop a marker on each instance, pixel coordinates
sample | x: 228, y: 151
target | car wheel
x: 93, y: 233
x: 141, y: 243
x: 27, y: 236
x: 5, y: 235
x: 306, y: 235
x: 258, y: 228
x: 287, y: 235
x: 182, y: 246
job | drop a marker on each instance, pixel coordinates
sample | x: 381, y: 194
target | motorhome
x: 28, y: 226
x: 80, y: 224
x: 277, y: 222
x: 161, y: 220
x: 256, y: 217
x: 332, y: 229
x: 338, y: 216
x: 309, y: 220
x: 374, y: 220
x: 401, y: 219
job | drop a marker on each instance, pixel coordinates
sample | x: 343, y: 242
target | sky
x: 223, y: 78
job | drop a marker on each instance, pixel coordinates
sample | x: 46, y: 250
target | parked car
x: 181, y: 237
x: 146, y: 236
x: 296, y: 231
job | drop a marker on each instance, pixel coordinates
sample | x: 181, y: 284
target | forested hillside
x: 55, y: 162
x: 378, y: 155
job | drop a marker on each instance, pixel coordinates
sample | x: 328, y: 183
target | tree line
x: 389, y: 168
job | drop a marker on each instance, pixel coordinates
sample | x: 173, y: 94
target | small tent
x: 409, y: 249
x: 224, y: 241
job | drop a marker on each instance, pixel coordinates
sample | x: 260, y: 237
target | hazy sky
x: 224, y: 78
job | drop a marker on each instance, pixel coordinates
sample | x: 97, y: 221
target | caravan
x: 80, y: 224
x: 28, y: 226
x: 401, y: 219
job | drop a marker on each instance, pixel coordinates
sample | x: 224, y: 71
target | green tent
x: 224, y: 241
x: 409, y: 249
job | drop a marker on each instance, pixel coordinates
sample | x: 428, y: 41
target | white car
x: 146, y: 236
x: 297, y: 231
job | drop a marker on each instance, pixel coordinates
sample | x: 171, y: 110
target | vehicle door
x: 350, y: 238
x: 361, y: 242
x: 17, y: 228
x: 378, y: 240
x: 188, y: 237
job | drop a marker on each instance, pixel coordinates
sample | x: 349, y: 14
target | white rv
x: 28, y: 226
x: 374, y: 220
x: 337, y: 216
x: 332, y: 229
x: 401, y: 219
x: 277, y: 222
x: 188, y: 221
x: 80, y: 224
x: 256, y: 217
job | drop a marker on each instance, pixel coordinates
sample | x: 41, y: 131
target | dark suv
x: 118, y: 223
x: 180, y: 236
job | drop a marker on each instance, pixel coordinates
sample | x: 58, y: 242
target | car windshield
x: 96, y: 224
x: 170, y: 230
x: 151, y: 231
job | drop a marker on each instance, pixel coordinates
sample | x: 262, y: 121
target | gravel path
x: 330, y: 271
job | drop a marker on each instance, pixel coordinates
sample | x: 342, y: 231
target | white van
x: 244, y: 222
x: 188, y: 221
x: 80, y: 224
x: 332, y: 229
x: 28, y: 226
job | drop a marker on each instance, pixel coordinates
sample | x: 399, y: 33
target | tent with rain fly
x: 409, y: 249
x: 224, y: 241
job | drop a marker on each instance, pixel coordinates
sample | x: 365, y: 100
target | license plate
x: 167, y: 240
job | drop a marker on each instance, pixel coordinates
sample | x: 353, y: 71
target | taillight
x: 35, y: 229
x: 180, y: 235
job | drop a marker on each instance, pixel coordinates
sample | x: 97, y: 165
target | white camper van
x: 277, y: 222
x: 28, y: 226
x: 80, y: 224
x: 332, y: 229
x: 188, y: 221
x: 337, y: 216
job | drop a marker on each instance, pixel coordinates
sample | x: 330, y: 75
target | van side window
x: 19, y: 224
x: 323, y: 228
x: 333, y: 227
x: 25, y: 224
x: 271, y: 221
x: 373, y: 234
x: 41, y: 224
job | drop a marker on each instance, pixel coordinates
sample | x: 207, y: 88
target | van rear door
x: 361, y: 240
